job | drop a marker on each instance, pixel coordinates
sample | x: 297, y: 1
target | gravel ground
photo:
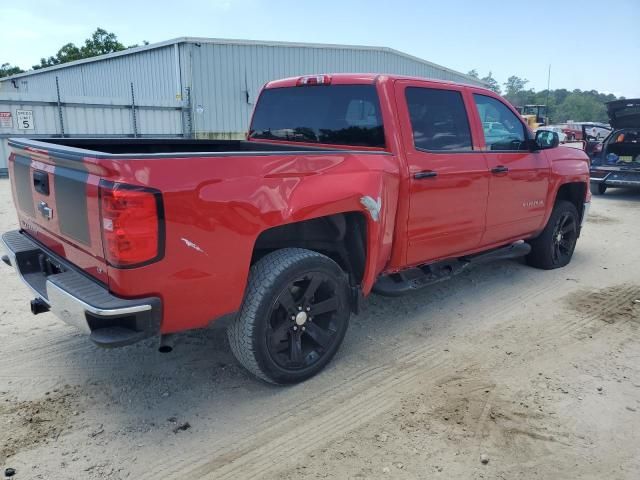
x: 503, y: 372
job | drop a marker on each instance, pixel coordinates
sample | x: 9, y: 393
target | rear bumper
x: 616, y: 178
x: 77, y: 299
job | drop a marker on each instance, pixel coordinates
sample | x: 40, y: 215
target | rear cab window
x: 328, y: 114
x: 439, y: 121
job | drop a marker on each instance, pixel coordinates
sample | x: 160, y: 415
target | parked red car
x: 347, y: 184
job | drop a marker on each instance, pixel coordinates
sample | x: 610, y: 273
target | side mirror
x: 546, y: 139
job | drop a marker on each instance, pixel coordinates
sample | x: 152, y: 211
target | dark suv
x: 618, y: 164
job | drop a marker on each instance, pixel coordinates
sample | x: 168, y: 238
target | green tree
x: 492, y: 83
x: 100, y: 43
x: 135, y: 45
x: 562, y: 104
x: 514, y: 86
x: 515, y: 92
x: 7, y: 69
x: 582, y: 107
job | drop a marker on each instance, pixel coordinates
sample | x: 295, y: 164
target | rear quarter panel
x: 216, y: 207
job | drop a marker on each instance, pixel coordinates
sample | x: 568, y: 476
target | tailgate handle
x: 41, y: 182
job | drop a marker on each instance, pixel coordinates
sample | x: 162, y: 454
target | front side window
x: 438, y: 119
x: 332, y: 114
x: 502, y: 128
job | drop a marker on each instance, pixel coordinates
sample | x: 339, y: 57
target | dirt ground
x: 536, y: 373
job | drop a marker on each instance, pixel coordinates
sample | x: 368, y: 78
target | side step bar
x: 401, y: 283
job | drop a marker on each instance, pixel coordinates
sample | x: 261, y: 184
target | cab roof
x: 362, y: 79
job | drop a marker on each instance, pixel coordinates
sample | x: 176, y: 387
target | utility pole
x: 548, y: 85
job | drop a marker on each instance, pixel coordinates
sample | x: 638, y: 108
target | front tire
x: 293, y: 318
x: 554, y: 247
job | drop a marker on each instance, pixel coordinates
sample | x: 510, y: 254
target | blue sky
x: 590, y: 44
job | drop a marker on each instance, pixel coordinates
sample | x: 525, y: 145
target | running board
x: 411, y: 279
x: 515, y: 250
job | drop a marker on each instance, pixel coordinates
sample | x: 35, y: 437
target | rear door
x: 449, y: 179
x: 519, y: 177
x: 56, y: 197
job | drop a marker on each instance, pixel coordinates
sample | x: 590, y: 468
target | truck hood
x: 624, y: 113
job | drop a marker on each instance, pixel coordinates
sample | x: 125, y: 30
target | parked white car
x: 593, y: 130
x: 553, y: 128
x: 597, y: 131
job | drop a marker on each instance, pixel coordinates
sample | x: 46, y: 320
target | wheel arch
x: 574, y: 192
x: 343, y: 237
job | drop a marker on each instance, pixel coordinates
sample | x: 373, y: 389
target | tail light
x: 314, y: 80
x: 132, y: 224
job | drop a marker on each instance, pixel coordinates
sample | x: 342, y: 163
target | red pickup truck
x: 346, y: 184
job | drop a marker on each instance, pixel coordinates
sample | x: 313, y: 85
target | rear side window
x: 502, y: 128
x: 334, y: 114
x: 438, y: 119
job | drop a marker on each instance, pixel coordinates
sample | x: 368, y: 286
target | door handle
x: 425, y: 174
x: 500, y: 169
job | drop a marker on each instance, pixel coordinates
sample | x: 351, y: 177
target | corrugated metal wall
x: 151, y: 71
x: 88, y: 116
x: 226, y: 75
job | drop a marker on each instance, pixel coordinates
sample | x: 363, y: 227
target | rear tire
x: 554, y: 247
x: 598, y: 188
x: 293, y: 318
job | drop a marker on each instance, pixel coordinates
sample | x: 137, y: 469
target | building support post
x: 187, y: 125
x: 133, y: 112
x: 60, y: 118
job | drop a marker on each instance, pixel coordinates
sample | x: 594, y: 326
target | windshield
x: 334, y: 114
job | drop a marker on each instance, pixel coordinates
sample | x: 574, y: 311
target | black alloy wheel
x: 303, y: 324
x: 554, y: 247
x: 294, y: 316
x: 564, y: 237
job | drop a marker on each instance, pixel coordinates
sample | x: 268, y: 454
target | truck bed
x: 161, y: 146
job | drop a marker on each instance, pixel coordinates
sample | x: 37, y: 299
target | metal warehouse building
x: 197, y: 87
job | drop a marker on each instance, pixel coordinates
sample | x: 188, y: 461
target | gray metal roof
x: 222, y: 41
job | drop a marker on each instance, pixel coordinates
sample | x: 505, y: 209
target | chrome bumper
x: 619, y: 178
x: 585, y: 213
x: 79, y: 300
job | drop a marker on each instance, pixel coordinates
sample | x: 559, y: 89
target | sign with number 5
x: 25, y: 119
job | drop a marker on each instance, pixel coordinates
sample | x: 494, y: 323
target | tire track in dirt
x: 598, y: 308
x: 248, y: 456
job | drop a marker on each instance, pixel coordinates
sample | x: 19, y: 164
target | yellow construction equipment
x: 534, y: 115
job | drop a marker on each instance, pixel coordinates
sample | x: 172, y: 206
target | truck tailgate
x: 57, y: 201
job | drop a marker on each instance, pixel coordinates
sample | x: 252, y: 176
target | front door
x: 448, y: 184
x: 519, y: 177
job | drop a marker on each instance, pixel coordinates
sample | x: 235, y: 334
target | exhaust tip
x: 38, y: 306
x: 166, y: 343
